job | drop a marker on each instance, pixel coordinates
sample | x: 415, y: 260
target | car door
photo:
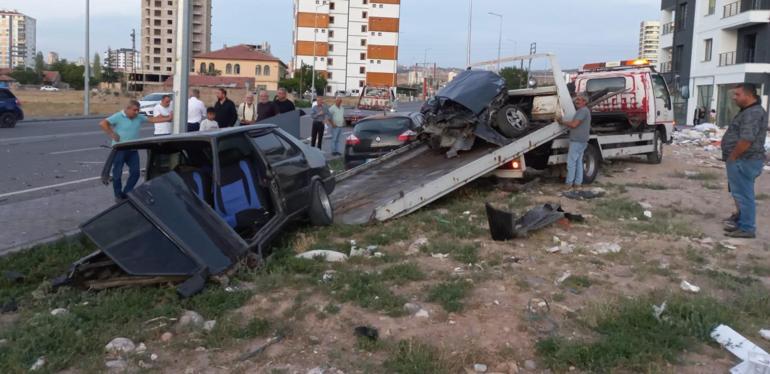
x: 290, y: 167
x: 664, y: 113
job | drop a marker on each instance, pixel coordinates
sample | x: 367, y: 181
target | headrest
x: 231, y: 156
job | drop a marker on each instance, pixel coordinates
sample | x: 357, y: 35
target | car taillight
x: 352, y: 140
x: 407, y: 135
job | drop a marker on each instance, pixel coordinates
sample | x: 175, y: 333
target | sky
x: 578, y: 32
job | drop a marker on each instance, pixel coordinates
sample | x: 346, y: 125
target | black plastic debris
x: 504, y: 225
x: 584, y: 194
x: 368, y: 332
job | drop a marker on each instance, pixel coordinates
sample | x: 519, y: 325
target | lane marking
x: 78, y: 150
x: 14, y: 193
x: 44, y: 138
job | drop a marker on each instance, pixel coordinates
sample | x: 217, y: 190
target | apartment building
x: 53, y: 58
x: 352, y: 42
x: 159, y: 36
x: 649, y: 41
x: 122, y: 59
x: 17, y: 39
x: 708, y: 46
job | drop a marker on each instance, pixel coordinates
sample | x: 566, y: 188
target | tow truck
x: 411, y: 177
x: 372, y: 100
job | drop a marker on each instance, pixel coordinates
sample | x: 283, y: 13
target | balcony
x: 668, y: 28
x: 735, y: 16
x: 665, y: 67
x: 727, y: 58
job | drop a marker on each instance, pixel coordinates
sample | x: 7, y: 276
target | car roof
x: 206, y: 136
x: 389, y: 115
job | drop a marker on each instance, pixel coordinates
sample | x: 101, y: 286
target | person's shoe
x: 741, y: 234
x: 730, y: 228
x: 731, y: 220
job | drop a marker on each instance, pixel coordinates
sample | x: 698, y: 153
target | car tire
x: 512, y: 121
x: 656, y: 156
x: 592, y: 163
x: 8, y: 120
x: 321, y: 211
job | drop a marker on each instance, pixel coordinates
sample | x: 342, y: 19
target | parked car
x: 377, y: 135
x: 148, y: 103
x: 49, y: 88
x: 10, y: 109
x: 210, y: 199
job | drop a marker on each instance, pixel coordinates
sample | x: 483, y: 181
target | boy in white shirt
x: 163, y: 109
x: 209, y: 124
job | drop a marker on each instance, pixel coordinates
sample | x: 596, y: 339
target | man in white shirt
x: 338, y: 123
x: 163, y: 109
x: 196, y: 111
x: 247, y: 111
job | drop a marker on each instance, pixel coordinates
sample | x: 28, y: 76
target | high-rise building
x: 649, y: 41
x: 159, y: 36
x: 17, y: 39
x: 707, y: 47
x: 53, y: 58
x: 123, y: 59
x: 352, y: 42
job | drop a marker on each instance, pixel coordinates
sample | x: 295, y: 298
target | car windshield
x: 154, y: 97
x: 383, y: 125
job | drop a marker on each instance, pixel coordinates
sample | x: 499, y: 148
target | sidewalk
x: 60, y: 119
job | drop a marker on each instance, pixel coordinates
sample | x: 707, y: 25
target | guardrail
x: 665, y: 67
x: 727, y: 58
x: 731, y: 9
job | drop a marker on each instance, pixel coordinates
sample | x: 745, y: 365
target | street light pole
x: 499, y: 40
x: 315, y: 41
x: 182, y: 65
x: 87, y: 74
x: 470, y: 26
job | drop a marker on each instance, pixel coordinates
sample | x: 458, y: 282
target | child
x: 209, y: 124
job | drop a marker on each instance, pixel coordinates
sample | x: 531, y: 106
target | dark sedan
x: 377, y: 135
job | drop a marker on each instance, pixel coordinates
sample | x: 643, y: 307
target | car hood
x: 473, y: 89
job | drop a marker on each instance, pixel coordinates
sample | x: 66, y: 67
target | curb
x: 59, y: 119
x: 47, y: 240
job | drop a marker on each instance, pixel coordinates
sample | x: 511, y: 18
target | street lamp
x: 86, y: 76
x: 499, y: 40
x: 315, y: 40
x: 470, y: 24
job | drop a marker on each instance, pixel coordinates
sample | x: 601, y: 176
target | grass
x: 411, y: 357
x: 614, y: 209
x: 450, y: 294
x: 577, y: 283
x: 711, y: 186
x: 697, y: 176
x: 762, y: 197
x: 665, y: 223
x: 461, y: 252
x: 402, y: 273
x: 367, y: 290
x: 648, y: 186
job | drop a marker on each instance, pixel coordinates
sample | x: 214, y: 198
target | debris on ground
x: 657, y: 311
x: 562, y: 278
x: 328, y: 276
x: 648, y: 214
x: 504, y: 226
x: 689, y: 287
x: 412, y: 308
x: 755, y: 359
x: 589, y: 194
x: 116, y: 364
x: 166, y: 337
x: 480, y: 368
x: 141, y: 348
x: 190, y: 320
x: 605, y: 248
x: 368, y: 332
x: 422, y: 313
x: 260, y: 349
x: 209, y: 325
x: 120, y: 345
x: 326, y: 255
x: 60, y: 312
x: 417, y: 245
x: 765, y: 334
x: 39, y: 363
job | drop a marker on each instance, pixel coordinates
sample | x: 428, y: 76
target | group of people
x: 743, y: 151
x: 124, y: 125
x: 334, y: 117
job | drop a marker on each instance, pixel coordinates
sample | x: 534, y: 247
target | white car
x: 148, y: 103
x: 48, y: 88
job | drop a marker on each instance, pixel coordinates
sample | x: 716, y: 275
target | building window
x: 363, y: 56
x: 266, y: 70
x: 331, y: 20
x: 708, y: 49
x: 229, y: 69
x: 329, y: 75
x: 681, y: 17
x: 364, y: 28
x: 364, y: 15
x: 361, y: 83
x: 258, y: 70
x: 237, y: 69
x: 330, y: 61
x: 331, y: 33
x: 331, y: 5
x: 331, y: 47
x: 203, y: 68
x: 211, y: 68
x: 329, y: 88
x: 362, y: 70
x: 712, y: 7
x: 363, y: 42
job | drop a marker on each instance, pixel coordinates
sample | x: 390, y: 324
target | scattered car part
x: 367, y: 332
x: 592, y: 193
x: 328, y: 256
x: 755, y: 359
x: 504, y: 225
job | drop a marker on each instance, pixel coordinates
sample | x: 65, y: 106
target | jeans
x: 130, y: 158
x: 575, y: 163
x: 336, y: 139
x: 193, y: 126
x: 741, y: 175
x: 317, y: 136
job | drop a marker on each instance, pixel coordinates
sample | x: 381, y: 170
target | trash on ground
x: 328, y: 276
x: 260, y: 349
x: 120, y: 345
x: 657, y: 311
x: 504, y: 226
x: 326, y: 255
x: 589, y: 194
x: 605, y: 248
x: 440, y: 255
x: 417, y: 245
x: 755, y: 359
x: 689, y: 287
x: 422, y: 313
x: 368, y: 332
x: 645, y: 205
x: 765, y: 334
x: 39, y: 363
x: 648, y: 214
x: 60, y: 312
x: 562, y: 278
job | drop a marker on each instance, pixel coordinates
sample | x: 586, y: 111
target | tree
x: 109, y: 75
x: 514, y: 77
x: 39, y: 63
x: 96, y: 68
x: 25, y: 75
x: 71, y: 74
x: 303, y: 76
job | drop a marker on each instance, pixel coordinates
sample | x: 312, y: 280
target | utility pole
x: 182, y: 64
x: 499, y: 40
x: 315, y: 41
x: 87, y: 75
x: 470, y: 27
x: 133, y: 60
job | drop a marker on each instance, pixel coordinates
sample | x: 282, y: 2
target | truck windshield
x: 609, y: 84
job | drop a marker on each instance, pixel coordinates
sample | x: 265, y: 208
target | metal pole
x: 182, y: 65
x: 87, y: 74
x: 499, y: 40
x: 315, y: 40
x: 470, y: 26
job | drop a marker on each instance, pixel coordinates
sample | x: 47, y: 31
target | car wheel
x: 592, y: 163
x: 656, y: 156
x: 512, y: 121
x: 321, y: 212
x: 7, y: 120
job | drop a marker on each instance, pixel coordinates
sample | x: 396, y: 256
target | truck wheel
x: 321, y: 212
x: 656, y: 156
x: 7, y: 120
x: 512, y: 121
x: 592, y: 163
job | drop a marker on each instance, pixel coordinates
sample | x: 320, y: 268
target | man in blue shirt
x: 579, y: 134
x: 124, y: 126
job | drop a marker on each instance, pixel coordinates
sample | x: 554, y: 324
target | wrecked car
x: 477, y: 104
x: 210, y: 200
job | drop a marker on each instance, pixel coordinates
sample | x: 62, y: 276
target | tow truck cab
x: 372, y: 100
x: 643, y: 97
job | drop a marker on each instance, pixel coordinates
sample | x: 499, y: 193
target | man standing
x: 743, y: 148
x: 337, y: 113
x: 163, y: 109
x: 579, y: 133
x: 121, y: 127
x: 282, y: 102
x: 265, y: 108
x: 320, y: 116
x: 227, y: 115
x: 196, y: 111
x: 247, y: 113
